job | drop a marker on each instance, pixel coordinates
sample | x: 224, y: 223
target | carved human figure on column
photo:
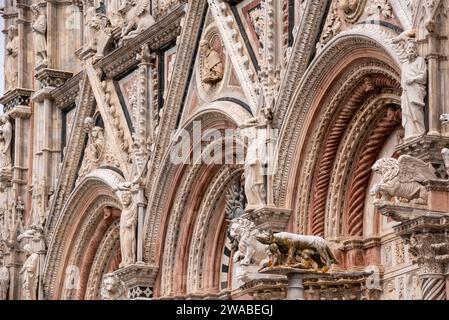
x: 39, y: 27
x: 254, y: 171
x: 5, y: 143
x: 12, y: 51
x: 30, y: 273
x: 128, y: 223
x: 212, y: 64
x: 413, y: 81
x: 4, y: 282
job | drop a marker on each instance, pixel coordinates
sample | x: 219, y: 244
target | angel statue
x: 403, y: 178
x: 137, y: 16
x: 5, y: 143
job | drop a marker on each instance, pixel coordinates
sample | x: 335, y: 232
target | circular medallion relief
x: 211, y: 64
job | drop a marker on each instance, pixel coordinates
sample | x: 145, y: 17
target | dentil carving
x: 212, y: 64
x: 112, y: 288
x: 250, y: 250
x: 5, y: 143
x: 39, y: 27
x: 403, y: 178
x: 137, y: 17
x: 95, y: 147
x: 12, y: 51
x: 297, y: 251
x: 413, y: 82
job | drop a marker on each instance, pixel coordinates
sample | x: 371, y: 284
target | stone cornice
x: 161, y: 33
x: 16, y: 97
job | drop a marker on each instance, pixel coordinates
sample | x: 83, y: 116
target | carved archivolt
x: 105, y: 252
x: 217, y: 112
x: 78, y: 220
x: 362, y: 174
x: 342, y: 49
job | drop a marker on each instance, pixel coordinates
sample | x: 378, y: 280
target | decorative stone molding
x: 16, y: 97
x: 428, y: 149
x: 269, y: 218
x: 335, y: 286
x: 52, y: 78
x: 236, y: 50
x: 139, y: 280
x: 428, y: 245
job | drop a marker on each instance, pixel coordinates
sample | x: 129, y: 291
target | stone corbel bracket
x: 139, y: 280
x: 269, y: 218
x: 236, y: 49
x: 16, y: 97
x: 402, y: 212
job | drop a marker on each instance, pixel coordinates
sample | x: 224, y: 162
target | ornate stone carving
x: 212, y: 69
x: 39, y: 27
x: 352, y: 9
x: 112, y: 288
x: 296, y: 251
x: 413, y: 81
x: 235, y: 205
x: 30, y: 274
x: 93, y: 153
x: 128, y: 225
x: 403, y: 178
x: 12, y: 51
x: 4, y: 283
x: 380, y: 8
x: 362, y: 174
x: 137, y: 17
x: 332, y: 27
x: 445, y: 154
x: 256, y: 158
x: 6, y: 135
x: 99, y: 35
x: 250, y: 250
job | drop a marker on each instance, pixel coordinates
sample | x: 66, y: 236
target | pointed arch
x: 88, y: 215
x: 182, y: 205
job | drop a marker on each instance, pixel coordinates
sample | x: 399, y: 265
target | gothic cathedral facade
x: 147, y: 146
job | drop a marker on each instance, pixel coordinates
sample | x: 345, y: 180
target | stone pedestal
x: 139, y: 280
x: 295, y: 279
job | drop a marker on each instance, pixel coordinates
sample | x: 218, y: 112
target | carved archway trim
x: 339, y: 67
x: 100, y: 264
x: 77, y: 222
x: 219, y: 115
x: 360, y: 130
